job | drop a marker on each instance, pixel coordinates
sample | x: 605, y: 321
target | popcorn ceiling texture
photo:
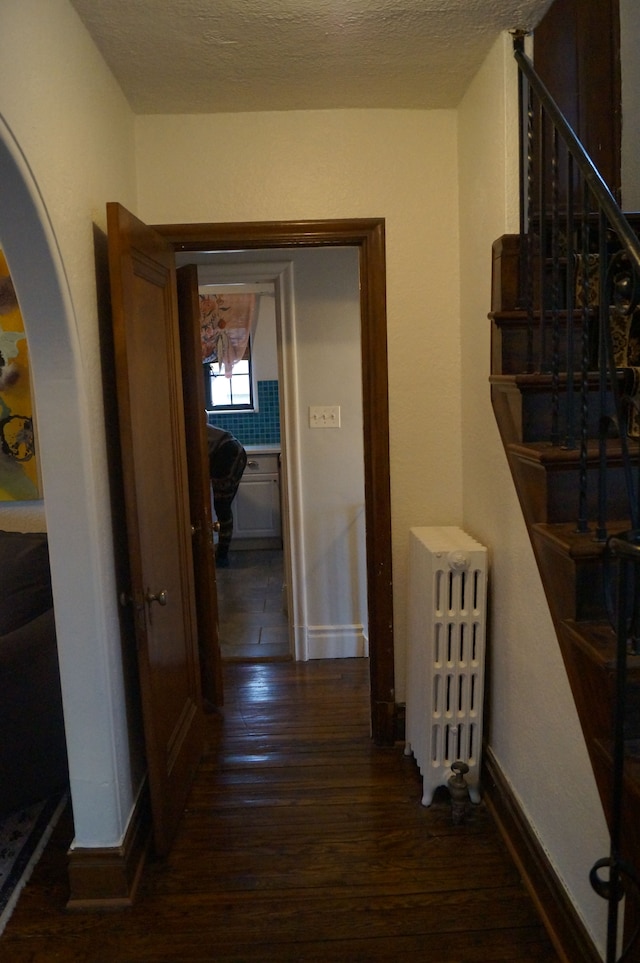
x: 195, y: 56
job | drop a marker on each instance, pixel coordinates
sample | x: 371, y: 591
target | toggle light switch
x: 324, y: 416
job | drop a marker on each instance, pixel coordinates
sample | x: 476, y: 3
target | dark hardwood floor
x: 300, y: 841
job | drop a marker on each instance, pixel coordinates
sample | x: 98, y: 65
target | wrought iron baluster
x: 583, y: 514
x: 555, y: 293
x: 570, y: 435
x: 603, y: 428
x: 525, y: 193
x: 542, y: 239
x: 530, y: 228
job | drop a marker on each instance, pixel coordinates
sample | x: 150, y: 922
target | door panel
x: 199, y: 487
x: 150, y: 404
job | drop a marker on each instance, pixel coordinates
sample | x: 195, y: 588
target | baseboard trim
x: 336, y: 642
x: 108, y: 877
x: 565, y: 928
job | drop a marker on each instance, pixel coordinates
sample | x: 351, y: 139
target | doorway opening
x: 240, y: 296
x: 367, y: 235
x: 305, y: 354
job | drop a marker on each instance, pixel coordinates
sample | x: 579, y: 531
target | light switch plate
x: 324, y: 416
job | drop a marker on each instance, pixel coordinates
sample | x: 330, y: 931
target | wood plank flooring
x: 301, y: 841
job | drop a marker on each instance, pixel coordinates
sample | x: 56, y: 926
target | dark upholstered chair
x: 33, y: 759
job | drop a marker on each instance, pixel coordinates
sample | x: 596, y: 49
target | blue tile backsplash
x: 260, y: 427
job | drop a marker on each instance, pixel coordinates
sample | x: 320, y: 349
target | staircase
x: 571, y: 561
x: 560, y: 385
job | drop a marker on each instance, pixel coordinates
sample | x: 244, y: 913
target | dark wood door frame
x: 368, y: 236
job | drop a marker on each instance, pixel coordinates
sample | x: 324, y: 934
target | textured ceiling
x: 207, y: 56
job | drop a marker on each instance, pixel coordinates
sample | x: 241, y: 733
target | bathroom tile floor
x: 252, y: 607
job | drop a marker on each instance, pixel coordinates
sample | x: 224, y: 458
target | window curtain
x: 226, y: 323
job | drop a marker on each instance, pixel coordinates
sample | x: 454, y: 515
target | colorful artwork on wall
x: 18, y: 467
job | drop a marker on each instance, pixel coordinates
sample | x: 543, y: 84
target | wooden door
x: 150, y: 406
x: 199, y: 487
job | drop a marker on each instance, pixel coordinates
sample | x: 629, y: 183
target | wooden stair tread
x: 509, y: 314
x: 575, y: 544
x: 599, y: 640
x: 522, y: 316
x: 541, y: 380
x: 555, y: 456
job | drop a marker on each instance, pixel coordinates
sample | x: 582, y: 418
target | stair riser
x: 576, y: 591
x: 511, y: 353
x: 551, y: 494
x: 537, y: 415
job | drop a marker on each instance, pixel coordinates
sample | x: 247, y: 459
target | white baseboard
x: 336, y: 642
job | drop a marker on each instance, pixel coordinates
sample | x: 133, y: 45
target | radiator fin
x: 446, y: 654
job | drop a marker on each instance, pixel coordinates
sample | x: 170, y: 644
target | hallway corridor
x: 301, y: 841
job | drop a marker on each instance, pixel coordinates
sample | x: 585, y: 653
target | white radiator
x: 446, y: 655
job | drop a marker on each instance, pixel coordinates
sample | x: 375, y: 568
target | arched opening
x: 84, y: 593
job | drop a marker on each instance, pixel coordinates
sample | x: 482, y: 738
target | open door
x: 150, y: 404
x: 199, y: 487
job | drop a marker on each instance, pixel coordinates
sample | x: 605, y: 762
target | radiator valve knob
x: 459, y: 792
x: 458, y: 560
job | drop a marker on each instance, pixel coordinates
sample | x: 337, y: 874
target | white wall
x: 327, y: 325
x: 400, y: 165
x: 534, y: 731
x: 66, y: 147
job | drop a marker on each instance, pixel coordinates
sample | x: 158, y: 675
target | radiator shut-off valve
x: 459, y: 792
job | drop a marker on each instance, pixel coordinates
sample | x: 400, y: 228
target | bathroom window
x: 230, y: 394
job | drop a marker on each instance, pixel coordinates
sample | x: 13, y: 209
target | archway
x: 84, y: 589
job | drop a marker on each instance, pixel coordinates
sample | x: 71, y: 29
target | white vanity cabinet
x: 256, y: 508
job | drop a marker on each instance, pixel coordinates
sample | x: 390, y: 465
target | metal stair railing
x: 579, y: 288
x: 580, y: 272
